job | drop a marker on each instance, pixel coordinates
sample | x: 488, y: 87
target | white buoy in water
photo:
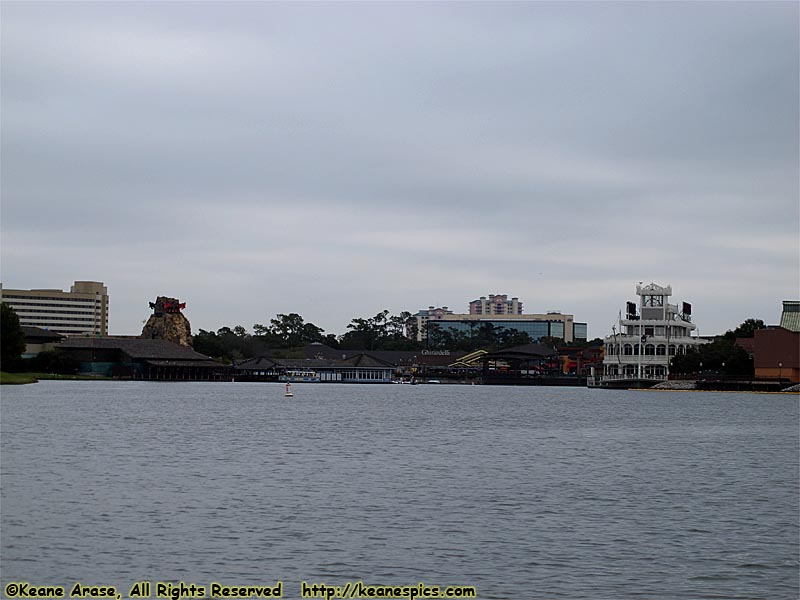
x: 288, y: 393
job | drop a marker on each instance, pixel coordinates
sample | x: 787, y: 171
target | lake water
x: 520, y: 492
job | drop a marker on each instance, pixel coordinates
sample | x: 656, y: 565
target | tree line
x: 287, y: 333
x: 722, y: 356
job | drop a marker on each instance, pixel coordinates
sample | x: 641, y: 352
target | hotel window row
x: 15, y: 297
x: 19, y: 310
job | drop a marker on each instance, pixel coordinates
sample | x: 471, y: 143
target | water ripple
x: 522, y: 492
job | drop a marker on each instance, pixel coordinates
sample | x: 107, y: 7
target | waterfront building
x: 581, y: 362
x: 790, y: 317
x: 651, y: 333
x: 497, y: 304
x: 357, y: 368
x: 551, y: 324
x: 529, y: 364
x: 137, y: 358
x: 776, y: 350
x: 502, y: 314
x: 777, y: 354
x: 81, y: 311
x: 39, y: 340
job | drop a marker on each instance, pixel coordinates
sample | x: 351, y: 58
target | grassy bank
x: 19, y: 378
x: 16, y: 378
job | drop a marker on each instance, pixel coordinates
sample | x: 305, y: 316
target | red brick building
x: 777, y: 354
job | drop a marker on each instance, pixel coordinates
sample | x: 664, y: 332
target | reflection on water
x: 520, y: 492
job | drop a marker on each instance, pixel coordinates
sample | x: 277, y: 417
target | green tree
x: 447, y: 338
x: 52, y: 361
x: 396, y: 324
x: 412, y: 328
x: 508, y: 338
x: 226, y: 344
x: 367, y: 334
x: 362, y: 335
x: 477, y: 336
x: 748, y: 328
x: 686, y: 363
x: 331, y: 340
x: 260, y: 330
x: 381, y: 332
x: 720, y: 357
x: 395, y: 333
x: 264, y: 339
x: 294, y: 331
x: 208, y: 343
x: 12, y: 340
x: 552, y: 342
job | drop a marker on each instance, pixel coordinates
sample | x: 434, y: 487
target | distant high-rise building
x: 81, y: 311
x: 417, y: 325
x: 502, y: 314
x: 497, y: 304
x: 552, y: 324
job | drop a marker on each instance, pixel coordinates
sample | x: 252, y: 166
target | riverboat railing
x: 624, y: 377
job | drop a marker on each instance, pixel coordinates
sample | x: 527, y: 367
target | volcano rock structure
x: 168, y: 322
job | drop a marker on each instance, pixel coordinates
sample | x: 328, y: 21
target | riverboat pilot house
x: 643, y: 343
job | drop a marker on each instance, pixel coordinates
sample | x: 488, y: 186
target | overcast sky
x: 337, y: 159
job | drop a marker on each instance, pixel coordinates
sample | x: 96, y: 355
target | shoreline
x: 751, y: 386
x: 716, y: 391
x: 7, y: 378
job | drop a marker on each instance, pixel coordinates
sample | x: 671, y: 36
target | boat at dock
x: 300, y: 377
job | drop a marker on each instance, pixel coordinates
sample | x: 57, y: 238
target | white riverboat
x: 304, y: 376
x: 641, y: 345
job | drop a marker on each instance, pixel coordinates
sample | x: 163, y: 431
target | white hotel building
x: 81, y: 311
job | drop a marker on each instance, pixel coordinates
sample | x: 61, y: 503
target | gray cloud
x: 336, y: 159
